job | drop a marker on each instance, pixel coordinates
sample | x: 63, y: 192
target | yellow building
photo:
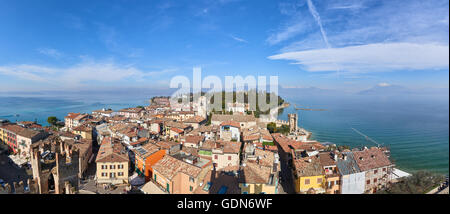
x: 84, y: 131
x: 112, y: 162
x: 2, y: 135
x: 309, y: 176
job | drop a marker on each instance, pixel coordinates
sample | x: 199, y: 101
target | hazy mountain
x: 386, y: 89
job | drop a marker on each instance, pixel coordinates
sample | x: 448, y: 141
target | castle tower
x: 202, y: 107
x: 293, y: 122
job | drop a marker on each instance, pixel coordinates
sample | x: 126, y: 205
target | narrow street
x: 286, y: 181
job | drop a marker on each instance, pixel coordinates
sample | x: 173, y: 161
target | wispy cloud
x: 372, y: 57
x: 238, y: 39
x: 384, y: 84
x: 50, y: 52
x: 369, y: 36
x: 288, y: 32
x: 316, y: 16
x: 77, y: 75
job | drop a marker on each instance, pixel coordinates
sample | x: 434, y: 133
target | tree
x: 272, y: 127
x: 139, y: 106
x: 418, y: 183
x: 52, y: 120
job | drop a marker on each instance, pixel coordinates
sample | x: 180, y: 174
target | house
x: 193, y: 141
x: 173, y: 129
x: 309, y: 177
x: 10, y: 136
x: 377, y: 167
x: 236, y: 107
x: 68, y: 120
x: 179, y: 177
x: 195, y: 121
x: 260, y: 173
x: 78, y: 120
x: 226, y: 156
x: 175, y: 133
x: 328, y: 161
x: 352, y: 179
x: 257, y: 135
x: 285, y: 146
x: 104, y: 113
x: 147, y: 156
x: 245, y: 121
x: 112, y: 162
x: 170, y: 146
x: 230, y: 131
x: 86, y: 132
x: 206, y: 148
x: 210, y: 132
x: 26, y: 137
x: 131, y: 112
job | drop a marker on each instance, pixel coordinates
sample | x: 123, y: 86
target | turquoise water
x: 415, y: 128
x: 40, y: 108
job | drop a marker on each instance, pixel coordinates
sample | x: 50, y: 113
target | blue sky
x: 332, y: 44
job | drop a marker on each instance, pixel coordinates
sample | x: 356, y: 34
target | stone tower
x: 62, y: 169
x: 201, y: 107
x: 293, y: 121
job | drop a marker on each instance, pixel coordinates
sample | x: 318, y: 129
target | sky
x: 330, y: 44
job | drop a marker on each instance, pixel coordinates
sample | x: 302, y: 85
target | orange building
x: 146, y: 156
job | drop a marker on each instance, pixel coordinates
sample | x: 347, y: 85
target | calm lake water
x: 416, y: 128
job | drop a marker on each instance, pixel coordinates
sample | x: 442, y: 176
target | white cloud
x: 50, y: 52
x: 371, y: 57
x: 383, y: 84
x: 238, y: 39
x: 316, y: 16
x: 77, y: 75
x: 287, y: 33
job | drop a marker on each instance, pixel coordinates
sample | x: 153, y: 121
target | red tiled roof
x: 72, y: 115
x: 371, y: 159
x: 231, y: 123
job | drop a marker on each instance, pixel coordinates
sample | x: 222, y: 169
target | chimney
x: 335, y: 157
x: 309, y: 160
x: 345, y: 156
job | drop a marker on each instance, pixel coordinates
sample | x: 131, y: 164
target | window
x: 112, y: 175
x: 375, y: 171
x: 112, y: 167
x: 245, y: 193
x: 374, y: 180
x: 120, y: 173
x: 190, y: 188
x: 104, y: 174
x: 215, y: 157
x: 191, y: 179
x: 229, y: 157
x: 384, y: 169
x: 319, y: 180
x: 368, y: 181
x: 306, y: 181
